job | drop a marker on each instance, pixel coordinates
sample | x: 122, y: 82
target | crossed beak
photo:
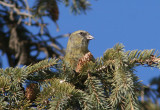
x: 89, y: 37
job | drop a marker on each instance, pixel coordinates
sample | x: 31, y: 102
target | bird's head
x: 79, y: 39
x: 77, y: 47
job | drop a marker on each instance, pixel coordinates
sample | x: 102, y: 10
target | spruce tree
x: 107, y: 84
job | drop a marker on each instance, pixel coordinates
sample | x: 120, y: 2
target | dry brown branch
x: 15, y: 9
x: 27, y: 7
x: 61, y: 36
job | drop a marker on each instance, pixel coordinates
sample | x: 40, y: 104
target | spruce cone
x: 31, y: 91
x: 82, y: 61
x: 53, y: 10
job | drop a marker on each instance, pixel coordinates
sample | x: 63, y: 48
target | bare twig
x: 61, y: 36
x: 27, y: 7
x: 36, y: 24
x: 56, y: 47
x: 15, y: 9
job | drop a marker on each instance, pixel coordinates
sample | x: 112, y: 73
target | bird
x: 77, y: 53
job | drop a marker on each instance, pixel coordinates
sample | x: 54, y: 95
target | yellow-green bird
x: 77, y: 48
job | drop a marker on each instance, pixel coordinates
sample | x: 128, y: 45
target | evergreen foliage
x: 108, y: 83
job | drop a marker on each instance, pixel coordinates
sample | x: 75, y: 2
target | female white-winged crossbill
x: 77, y: 49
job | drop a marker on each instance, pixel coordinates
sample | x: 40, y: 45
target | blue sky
x: 134, y: 23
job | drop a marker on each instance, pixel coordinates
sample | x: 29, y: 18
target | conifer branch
x: 96, y: 91
x: 136, y: 57
x: 42, y: 65
x: 108, y: 83
x: 123, y: 80
x: 93, y: 88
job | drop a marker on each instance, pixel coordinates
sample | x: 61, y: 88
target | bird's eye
x: 82, y: 34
